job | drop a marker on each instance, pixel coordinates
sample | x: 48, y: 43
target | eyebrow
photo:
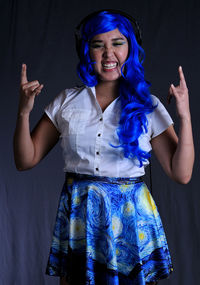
x: 115, y: 39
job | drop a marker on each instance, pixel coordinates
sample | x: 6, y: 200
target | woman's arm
x: 30, y: 148
x: 176, y: 154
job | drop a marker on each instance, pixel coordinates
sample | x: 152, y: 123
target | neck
x: 110, y: 88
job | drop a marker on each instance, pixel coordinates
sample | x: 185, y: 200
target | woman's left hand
x: 180, y: 93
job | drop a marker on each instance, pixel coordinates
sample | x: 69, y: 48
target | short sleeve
x: 52, y: 110
x: 160, y: 119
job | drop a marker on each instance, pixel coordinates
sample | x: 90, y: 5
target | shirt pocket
x: 74, y: 122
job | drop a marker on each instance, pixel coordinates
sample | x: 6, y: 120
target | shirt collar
x: 92, y: 90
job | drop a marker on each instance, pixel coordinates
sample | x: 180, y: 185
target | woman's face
x: 109, y: 51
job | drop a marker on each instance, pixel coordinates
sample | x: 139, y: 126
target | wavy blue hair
x: 135, y: 97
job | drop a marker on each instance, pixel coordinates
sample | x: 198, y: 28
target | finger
x: 170, y: 90
x: 34, y: 83
x: 41, y: 86
x: 37, y: 90
x: 182, y: 77
x: 34, y: 87
x: 23, y: 74
x: 169, y: 97
x: 174, y: 90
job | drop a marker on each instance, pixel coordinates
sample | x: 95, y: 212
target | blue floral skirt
x: 108, y: 232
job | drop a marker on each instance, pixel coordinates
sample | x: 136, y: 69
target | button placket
x: 98, y: 145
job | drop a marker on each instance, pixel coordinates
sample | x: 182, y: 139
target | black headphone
x: 134, y: 23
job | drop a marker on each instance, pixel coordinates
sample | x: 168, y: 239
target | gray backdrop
x: 40, y: 34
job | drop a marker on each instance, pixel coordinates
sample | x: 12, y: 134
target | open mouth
x: 109, y: 66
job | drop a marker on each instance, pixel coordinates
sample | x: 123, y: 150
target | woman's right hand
x: 28, y: 91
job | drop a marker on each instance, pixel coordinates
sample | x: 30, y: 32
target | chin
x: 110, y: 77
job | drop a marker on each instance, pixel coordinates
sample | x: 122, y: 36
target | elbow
x: 182, y: 175
x: 22, y: 164
x: 22, y: 167
x: 19, y: 168
x: 186, y: 180
x: 183, y: 179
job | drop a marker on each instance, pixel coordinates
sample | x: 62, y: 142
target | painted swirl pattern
x: 108, y: 232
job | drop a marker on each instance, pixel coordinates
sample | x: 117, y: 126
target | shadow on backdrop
x: 41, y: 34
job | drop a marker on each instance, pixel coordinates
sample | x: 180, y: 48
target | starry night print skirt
x: 108, y: 232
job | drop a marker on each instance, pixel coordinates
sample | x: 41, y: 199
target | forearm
x: 183, y: 158
x: 23, y: 144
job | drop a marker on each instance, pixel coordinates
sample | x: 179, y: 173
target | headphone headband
x: 112, y: 11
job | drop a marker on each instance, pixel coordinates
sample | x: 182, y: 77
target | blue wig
x: 135, y: 96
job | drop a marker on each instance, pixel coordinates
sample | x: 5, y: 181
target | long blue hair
x: 135, y: 97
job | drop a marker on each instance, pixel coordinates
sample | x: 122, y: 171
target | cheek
x: 123, y: 55
x: 94, y: 55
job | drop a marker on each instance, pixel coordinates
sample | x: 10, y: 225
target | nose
x: 108, y: 51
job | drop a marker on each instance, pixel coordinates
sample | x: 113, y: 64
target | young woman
x: 108, y: 229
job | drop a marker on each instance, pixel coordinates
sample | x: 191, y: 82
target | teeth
x: 109, y: 65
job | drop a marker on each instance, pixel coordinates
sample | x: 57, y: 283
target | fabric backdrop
x: 41, y: 34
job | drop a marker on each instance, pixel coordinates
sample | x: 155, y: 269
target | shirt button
x: 97, y: 152
x: 97, y: 169
x: 99, y: 135
x: 101, y: 119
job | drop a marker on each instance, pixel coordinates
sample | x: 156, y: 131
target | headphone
x: 78, y: 28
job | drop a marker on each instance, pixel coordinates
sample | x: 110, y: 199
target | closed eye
x: 96, y: 45
x: 118, y: 43
x: 99, y: 44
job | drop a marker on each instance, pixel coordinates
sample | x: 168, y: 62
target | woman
x: 108, y: 229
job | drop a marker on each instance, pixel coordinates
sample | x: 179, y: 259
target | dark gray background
x: 40, y: 34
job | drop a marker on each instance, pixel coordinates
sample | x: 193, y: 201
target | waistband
x: 104, y: 179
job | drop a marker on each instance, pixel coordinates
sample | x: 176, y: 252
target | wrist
x: 23, y: 114
x: 185, y: 118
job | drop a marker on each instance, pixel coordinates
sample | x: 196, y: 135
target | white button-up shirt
x: 87, y: 133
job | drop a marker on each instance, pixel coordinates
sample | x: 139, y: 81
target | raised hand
x: 181, y: 95
x: 28, y: 91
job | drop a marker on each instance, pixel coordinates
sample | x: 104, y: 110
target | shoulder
x: 66, y: 96
x: 155, y: 100
x: 159, y: 119
x: 69, y: 93
x: 64, y: 101
x: 158, y: 105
